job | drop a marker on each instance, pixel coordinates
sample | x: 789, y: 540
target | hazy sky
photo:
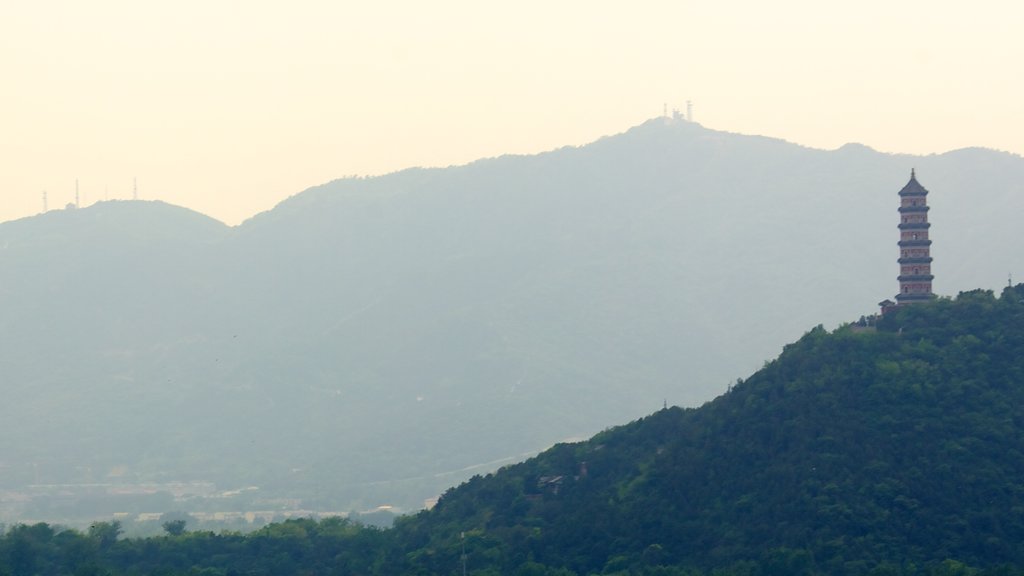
x: 230, y: 107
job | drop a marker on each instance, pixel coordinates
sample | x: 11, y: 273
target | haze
x: 229, y: 108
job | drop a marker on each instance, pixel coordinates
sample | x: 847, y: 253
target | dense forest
x: 888, y: 446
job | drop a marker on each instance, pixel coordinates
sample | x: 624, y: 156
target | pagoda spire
x: 915, y: 260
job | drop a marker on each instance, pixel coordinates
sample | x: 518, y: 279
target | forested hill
x: 901, y: 446
x: 888, y: 449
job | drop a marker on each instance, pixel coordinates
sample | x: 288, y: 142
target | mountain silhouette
x: 375, y: 340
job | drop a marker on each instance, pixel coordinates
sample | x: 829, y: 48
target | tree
x: 174, y: 527
x: 105, y: 533
x: 174, y: 522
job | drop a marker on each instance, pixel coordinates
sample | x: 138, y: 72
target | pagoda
x: 915, y: 248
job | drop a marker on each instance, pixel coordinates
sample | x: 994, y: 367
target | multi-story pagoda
x: 915, y: 248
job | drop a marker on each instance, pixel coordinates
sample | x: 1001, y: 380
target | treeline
x: 330, y: 546
x: 338, y: 547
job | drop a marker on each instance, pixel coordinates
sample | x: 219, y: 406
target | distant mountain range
x: 373, y: 341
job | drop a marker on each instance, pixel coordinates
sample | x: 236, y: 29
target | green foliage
x: 174, y: 527
x: 105, y: 533
x: 852, y: 452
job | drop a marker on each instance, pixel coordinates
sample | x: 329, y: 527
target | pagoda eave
x: 911, y: 260
x: 924, y: 297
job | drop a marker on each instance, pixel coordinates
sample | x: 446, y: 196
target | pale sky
x: 230, y: 107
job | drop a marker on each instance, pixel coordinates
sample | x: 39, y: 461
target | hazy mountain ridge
x: 432, y: 319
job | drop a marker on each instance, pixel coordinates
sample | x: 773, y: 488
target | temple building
x: 915, y: 247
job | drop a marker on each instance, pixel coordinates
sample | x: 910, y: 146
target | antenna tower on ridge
x: 77, y: 205
x: 45, y: 207
x: 689, y: 111
x: 135, y: 188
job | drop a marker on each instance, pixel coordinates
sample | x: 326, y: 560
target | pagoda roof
x: 913, y: 188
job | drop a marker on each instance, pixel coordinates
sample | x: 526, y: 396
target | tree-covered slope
x: 853, y: 449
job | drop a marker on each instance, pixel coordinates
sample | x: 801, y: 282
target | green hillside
x: 888, y: 449
x: 855, y: 449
